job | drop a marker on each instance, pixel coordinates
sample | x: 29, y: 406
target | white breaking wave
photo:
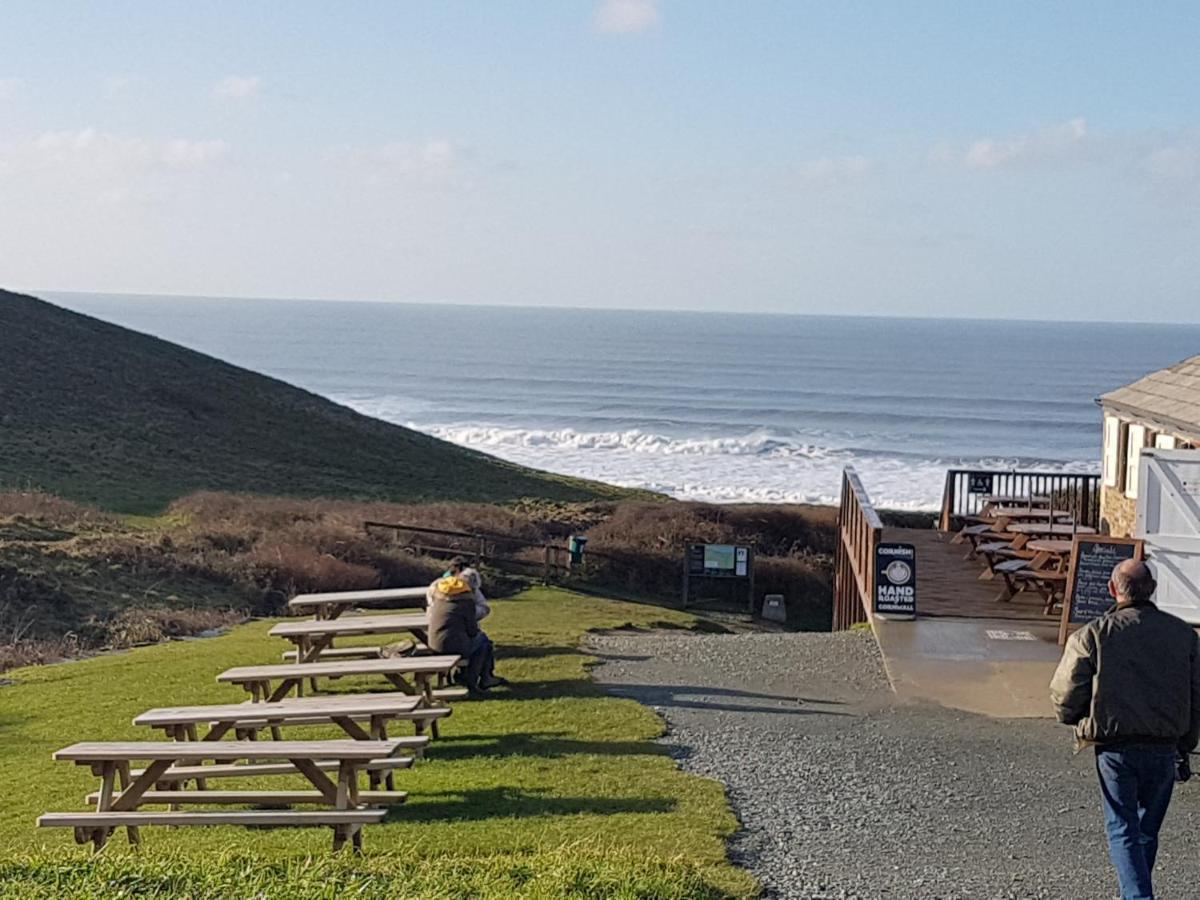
x: 756, y: 468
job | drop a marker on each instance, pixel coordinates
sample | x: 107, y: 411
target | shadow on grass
x: 547, y: 745
x: 504, y: 802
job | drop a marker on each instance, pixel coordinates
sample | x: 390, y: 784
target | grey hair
x: 1134, y: 583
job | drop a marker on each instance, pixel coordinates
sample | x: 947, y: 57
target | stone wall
x: 1118, y: 511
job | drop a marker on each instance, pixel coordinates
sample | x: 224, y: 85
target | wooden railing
x: 859, y: 532
x: 965, y: 489
x: 525, y: 557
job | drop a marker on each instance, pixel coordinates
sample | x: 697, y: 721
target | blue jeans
x: 1135, y: 783
x: 480, y: 660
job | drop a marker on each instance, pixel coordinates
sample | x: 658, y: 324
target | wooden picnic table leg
x: 124, y: 781
x: 133, y: 793
x: 282, y: 690
x: 317, y: 778
x: 218, y: 730
x: 192, y: 735
x: 399, y: 683
x: 178, y: 733
x: 425, y: 684
x: 1010, y: 589
x: 107, y: 772
x: 378, y: 728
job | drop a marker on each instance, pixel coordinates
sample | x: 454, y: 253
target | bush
x: 51, y: 510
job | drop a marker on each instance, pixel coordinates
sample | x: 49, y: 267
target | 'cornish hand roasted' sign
x: 896, y: 580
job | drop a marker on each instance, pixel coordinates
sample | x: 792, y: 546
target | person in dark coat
x: 454, y: 630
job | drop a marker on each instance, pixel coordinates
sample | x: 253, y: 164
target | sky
x: 1025, y: 160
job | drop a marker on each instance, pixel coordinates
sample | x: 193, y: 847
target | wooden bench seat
x: 213, y: 817
x: 255, y: 770
x: 347, y: 824
x: 278, y: 798
x: 340, y: 653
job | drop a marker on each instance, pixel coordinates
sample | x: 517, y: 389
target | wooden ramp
x: 949, y: 585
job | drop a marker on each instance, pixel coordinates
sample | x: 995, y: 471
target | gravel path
x: 844, y: 793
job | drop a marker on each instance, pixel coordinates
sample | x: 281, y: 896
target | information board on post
x: 1093, y: 558
x: 720, y: 561
x: 896, y: 581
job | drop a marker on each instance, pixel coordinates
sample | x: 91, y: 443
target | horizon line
x: 623, y: 309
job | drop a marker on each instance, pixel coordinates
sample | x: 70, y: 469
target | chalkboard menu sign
x: 979, y: 483
x: 1093, y: 559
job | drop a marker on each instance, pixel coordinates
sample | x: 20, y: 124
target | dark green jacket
x: 1131, y: 676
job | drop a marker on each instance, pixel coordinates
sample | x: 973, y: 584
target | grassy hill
x: 101, y: 414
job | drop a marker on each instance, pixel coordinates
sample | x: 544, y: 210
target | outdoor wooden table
x: 315, y: 636
x: 377, y: 710
x: 424, y: 671
x: 1049, y: 530
x: 1044, y: 573
x: 332, y: 605
x: 120, y: 794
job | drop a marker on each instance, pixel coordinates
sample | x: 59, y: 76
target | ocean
x: 721, y: 407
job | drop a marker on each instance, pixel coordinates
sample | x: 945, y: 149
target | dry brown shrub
x: 299, y: 569
x: 51, y: 510
x: 143, y: 625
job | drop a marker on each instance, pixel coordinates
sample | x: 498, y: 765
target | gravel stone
x: 845, y: 793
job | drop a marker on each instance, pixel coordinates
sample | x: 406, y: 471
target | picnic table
x: 122, y: 794
x: 428, y: 674
x: 332, y: 605
x: 1042, y: 573
x: 314, y: 637
x: 246, y: 720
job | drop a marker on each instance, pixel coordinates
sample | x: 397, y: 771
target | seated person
x: 458, y: 566
x: 453, y: 629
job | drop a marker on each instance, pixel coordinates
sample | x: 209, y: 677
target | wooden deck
x: 949, y: 585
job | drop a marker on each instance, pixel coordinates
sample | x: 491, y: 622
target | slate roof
x: 1170, y: 396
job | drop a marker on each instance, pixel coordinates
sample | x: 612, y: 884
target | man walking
x: 1130, y: 684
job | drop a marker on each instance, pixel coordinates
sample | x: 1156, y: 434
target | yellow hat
x: 451, y: 586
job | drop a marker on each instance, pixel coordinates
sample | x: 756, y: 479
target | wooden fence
x: 859, y: 532
x: 965, y: 489
x: 549, y: 561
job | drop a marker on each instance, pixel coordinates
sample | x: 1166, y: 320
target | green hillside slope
x: 102, y: 414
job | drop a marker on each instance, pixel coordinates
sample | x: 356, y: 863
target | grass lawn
x: 552, y: 789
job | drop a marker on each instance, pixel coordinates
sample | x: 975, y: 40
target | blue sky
x: 1032, y: 160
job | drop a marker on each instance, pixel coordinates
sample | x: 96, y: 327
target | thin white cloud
x: 626, y: 16
x: 1049, y: 144
x: 1174, y: 162
x: 108, y: 162
x: 429, y: 160
x: 237, y: 87
x: 9, y: 87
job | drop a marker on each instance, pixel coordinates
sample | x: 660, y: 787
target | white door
x: 1168, y: 519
